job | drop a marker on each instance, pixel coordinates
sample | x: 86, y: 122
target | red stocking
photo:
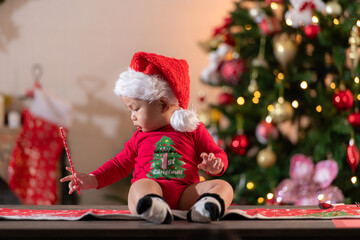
x: 33, y: 164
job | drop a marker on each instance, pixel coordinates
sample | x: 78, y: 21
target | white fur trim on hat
x: 145, y: 87
x: 184, y: 120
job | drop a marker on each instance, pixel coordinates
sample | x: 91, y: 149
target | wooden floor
x: 179, y: 229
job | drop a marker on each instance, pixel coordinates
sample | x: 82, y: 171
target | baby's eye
x: 133, y: 110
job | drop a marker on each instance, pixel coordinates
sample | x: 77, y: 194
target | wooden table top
x: 179, y: 229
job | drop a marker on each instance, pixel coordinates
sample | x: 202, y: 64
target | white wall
x: 83, y: 45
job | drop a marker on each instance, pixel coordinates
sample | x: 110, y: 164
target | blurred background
x: 276, y: 83
x: 81, y: 47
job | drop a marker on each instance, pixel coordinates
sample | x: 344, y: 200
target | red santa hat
x: 152, y: 76
x: 174, y: 71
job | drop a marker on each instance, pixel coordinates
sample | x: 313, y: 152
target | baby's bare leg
x: 145, y: 199
x: 192, y: 193
x: 207, y: 200
x: 141, y: 188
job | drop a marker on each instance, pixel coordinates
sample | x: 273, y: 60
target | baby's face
x: 146, y: 116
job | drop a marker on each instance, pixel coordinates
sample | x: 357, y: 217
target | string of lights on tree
x: 288, y: 113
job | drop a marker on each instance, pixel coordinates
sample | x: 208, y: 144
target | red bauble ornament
x: 354, y: 119
x: 226, y: 99
x: 264, y: 131
x: 312, y: 31
x: 239, y: 144
x: 343, y: 100
x: 232, y: 71
x: 352, y: 155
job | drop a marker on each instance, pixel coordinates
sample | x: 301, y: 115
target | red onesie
x: 165, y: 155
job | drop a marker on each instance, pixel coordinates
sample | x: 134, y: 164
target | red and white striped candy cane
x: 69, y: 158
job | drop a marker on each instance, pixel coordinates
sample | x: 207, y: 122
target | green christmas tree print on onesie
x: 166, y: 162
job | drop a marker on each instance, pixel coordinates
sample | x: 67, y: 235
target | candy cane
x: 69, y: 158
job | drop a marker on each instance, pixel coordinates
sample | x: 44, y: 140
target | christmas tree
x: 288, y: 113
x: 166, y: 162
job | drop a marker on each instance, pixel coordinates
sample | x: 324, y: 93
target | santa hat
x: 151, y: 76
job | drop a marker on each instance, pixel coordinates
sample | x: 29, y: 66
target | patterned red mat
x: 30, y: 214
x: 339, y: 211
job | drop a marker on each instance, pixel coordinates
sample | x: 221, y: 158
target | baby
x: 167, y: 150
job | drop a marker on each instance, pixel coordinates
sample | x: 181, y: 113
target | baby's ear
x: 164, y: 104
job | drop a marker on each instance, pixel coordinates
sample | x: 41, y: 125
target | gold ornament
x: 281, y: 111
x: 266, y: 158
x: 353, y: 52
x: 333, y: 8
x: 285, y: 49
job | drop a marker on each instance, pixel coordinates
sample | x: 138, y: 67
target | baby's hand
x: 210, y: 163
x: 85, y: 181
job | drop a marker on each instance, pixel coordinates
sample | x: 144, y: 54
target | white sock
x: 208, y: 208
x: 154, y: 209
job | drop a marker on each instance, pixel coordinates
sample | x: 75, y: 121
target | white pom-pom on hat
x: 184, y: 120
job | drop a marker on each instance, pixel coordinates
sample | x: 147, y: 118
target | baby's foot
x: 154, y: 209
x: 209, y: 207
